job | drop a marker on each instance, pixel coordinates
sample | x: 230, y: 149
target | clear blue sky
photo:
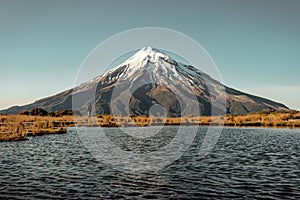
x: 255, y: 43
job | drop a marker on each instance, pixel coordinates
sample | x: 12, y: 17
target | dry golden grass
x: 291, y: 120
x: 18, y: 127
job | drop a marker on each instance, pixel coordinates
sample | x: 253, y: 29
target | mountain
x: 150, y: 82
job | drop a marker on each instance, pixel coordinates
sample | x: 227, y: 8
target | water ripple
x: 245, y: 164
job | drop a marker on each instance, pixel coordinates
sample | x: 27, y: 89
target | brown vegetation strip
x: 18, y: 127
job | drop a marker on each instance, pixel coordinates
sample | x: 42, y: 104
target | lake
x: 245, y: 163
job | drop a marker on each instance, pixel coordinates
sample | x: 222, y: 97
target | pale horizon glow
x: 277, y: 93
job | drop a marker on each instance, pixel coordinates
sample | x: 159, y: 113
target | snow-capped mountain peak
x: 147, y: 59
x: 148, y: 54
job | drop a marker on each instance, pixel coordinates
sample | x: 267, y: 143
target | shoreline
x: 18, y: 127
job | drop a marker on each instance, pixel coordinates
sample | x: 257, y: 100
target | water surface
x: 246, y: 163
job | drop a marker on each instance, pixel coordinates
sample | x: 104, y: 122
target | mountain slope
x: 150, y: 82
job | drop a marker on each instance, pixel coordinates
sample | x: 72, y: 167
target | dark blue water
x: 244, y: 164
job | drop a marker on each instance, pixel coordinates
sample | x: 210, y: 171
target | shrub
x: 38, y: 112
x: 63, y: 113
x: 51, y: 114
x: 24, y: 112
